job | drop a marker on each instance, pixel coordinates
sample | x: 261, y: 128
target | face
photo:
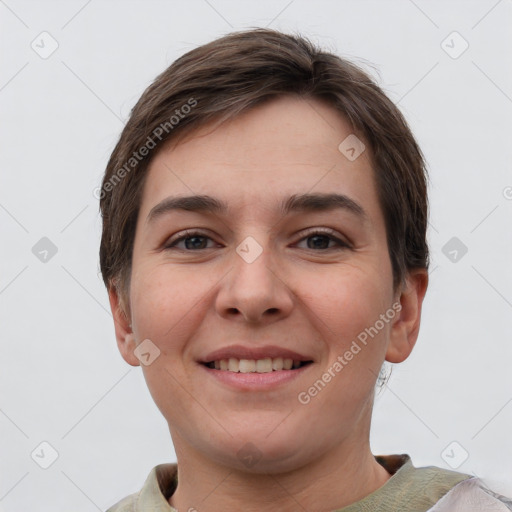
x: 291, y: 272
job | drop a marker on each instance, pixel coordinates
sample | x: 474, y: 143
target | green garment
x: 409, y: 489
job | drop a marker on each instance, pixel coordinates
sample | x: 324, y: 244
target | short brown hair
x: 221, y: 79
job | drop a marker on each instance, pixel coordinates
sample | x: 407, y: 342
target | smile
x: 264, y: 365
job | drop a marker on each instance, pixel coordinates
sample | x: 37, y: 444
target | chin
x: 261, y: 453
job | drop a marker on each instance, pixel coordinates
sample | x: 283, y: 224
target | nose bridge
x: 253, y: 264
x: 253, y: 289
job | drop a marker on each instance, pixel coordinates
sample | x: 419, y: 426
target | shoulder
x: 431, y: 489
x: 125, y: 505
x: 471, y: 495
x: 431, y: 481
x: 160, y: 484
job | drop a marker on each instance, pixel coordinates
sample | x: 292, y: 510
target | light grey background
x: 62, y: 379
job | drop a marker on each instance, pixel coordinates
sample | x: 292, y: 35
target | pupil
x: 324, y: 242
x: 196, y: 242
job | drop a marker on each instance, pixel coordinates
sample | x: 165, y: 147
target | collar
x: 409, y: 488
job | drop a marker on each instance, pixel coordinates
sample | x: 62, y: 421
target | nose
x: 254, y: 291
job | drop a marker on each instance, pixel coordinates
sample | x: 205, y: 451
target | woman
x: 264, y: 248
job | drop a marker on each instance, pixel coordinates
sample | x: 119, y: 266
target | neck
x: 343, y: 476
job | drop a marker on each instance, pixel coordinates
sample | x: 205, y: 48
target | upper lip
x: 241, y: 352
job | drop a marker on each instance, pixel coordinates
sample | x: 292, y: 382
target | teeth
x: 277, y: 363
x: 233, y: 365
x: 246, y: 366
x: 265, y: 365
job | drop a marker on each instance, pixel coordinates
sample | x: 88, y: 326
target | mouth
x: 254, y: 369
x: 263, y: 365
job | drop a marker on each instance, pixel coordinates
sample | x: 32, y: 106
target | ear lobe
x: 406, y: 326
x: 125, y: 338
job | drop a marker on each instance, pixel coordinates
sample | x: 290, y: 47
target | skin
x: 294, y: 295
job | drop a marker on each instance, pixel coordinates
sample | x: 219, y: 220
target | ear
x: 406, y: 326
x: 124, y: 335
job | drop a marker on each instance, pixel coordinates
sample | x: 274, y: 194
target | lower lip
x: 256, y: 381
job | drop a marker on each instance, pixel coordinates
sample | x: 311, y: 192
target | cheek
x: 167, y: 303
x: 345, y: 308
x: 346, y: 301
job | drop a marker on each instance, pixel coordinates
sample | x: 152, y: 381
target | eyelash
x: 329, y: 233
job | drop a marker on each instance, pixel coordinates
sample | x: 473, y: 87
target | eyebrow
x: 294, y: 203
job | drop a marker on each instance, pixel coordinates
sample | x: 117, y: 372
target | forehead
x: 284, y: 147
x: 301, y: 130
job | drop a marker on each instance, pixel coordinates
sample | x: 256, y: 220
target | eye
x: 316, y: 239
x: 193, y: 241
x: 321, y: 238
